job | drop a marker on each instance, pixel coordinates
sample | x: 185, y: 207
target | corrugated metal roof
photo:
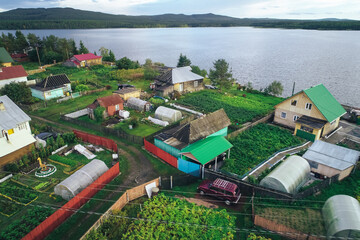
x: 288, y: 176
x: 5, y: 56
x: 87, y: 56
x: 12, y: 72
x: 207, y: 149
x: 12, y: 115
x: 329, y: 107
x: 184, y: 74
x: 341, y: 214
x: 332, y: 155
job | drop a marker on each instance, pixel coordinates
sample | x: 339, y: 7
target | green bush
x: 12, y: 167
x: 98, y: 113
x: 63, y: 160
x: 81, y: 88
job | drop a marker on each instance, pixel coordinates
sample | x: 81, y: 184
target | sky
x: 285, y: 9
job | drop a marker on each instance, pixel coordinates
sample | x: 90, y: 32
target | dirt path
x: 140, y: 171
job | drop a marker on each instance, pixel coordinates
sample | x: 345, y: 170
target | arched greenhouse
x: 79, y: 180
x: 341, y: 215
x: 168, y: 114
x: 289, y: 176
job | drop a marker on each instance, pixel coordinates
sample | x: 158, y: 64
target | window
x: 283, y: 114
x: 117, y: 107
x: 196, y: 84
x: 296, y: 118
x: 308, y: 106
x: 10, y: 131
x: 22, y: 126
x: 293, y: 102
x: 181, y: 87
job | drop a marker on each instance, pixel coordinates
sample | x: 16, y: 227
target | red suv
x: 221, y: 189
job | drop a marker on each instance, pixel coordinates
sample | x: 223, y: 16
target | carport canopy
x: 206, y: 150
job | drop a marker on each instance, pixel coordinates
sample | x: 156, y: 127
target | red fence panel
x: 93, y: 139
x: 161, y: 153
x: 58, y: 217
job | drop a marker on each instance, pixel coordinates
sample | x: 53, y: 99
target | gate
x: 305, y: 135
x: 189, y: 167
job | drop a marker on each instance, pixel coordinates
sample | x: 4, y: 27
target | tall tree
x: 82, y: 48
x: 21, y: 43
x: 275, y: 88
x: 221, y: 75
x: 183, y: 61
x: 104, y: 51
x: 111, y: 57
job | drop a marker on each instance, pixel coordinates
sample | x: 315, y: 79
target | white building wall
x: 4, y: 82
x: 18, y: 136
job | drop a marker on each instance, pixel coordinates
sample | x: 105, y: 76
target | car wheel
x: 202, y: 193
x: 227, y: 202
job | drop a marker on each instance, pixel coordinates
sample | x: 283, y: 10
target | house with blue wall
x: 199, y: 143
x: 52, y: 87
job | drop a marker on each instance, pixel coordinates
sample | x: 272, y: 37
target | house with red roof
x: 83, y: 60
x: 112, y: 105
x: 12, y: 74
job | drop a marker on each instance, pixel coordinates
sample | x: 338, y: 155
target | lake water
x: 260, y: 56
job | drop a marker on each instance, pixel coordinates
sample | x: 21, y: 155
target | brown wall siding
x: 288, y: 121
x: 15, y: 155
x: 328, y: 128
x: 189, y: 86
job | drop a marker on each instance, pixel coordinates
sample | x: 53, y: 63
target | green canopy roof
x: 4, y: 56
x: 207, y: 149
x: 329, y: 107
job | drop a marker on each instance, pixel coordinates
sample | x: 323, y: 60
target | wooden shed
x: 127, y: 93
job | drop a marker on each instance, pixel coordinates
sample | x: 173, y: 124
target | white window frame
x: 281, y: 115
x: 296, y: 117
x: 196, y: 84
x: 308, y: 106
x: 117, y: 107
x: 181, y: 87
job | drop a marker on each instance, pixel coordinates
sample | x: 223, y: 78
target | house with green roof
x: 5, y: 58
x: 313, y: 113
x: 198, y: 144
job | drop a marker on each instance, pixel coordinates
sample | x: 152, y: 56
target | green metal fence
x: 305, y: 135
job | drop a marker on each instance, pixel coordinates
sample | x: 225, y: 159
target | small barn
x: 289, y: 176
x: 127, y: 93
x: 167, y: 114
x: 328, y: 159
x: 112, y: 104
x: 82, y: 178
x: 341, y: 214
x: 138, y: 104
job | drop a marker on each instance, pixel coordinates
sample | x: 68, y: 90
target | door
x: 181, y: 87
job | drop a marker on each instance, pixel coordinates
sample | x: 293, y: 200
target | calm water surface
x: 260, y: 56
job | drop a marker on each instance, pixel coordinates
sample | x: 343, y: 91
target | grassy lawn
x: 240, y: 106
x: 255, y: 145
x: 28, y: 65
x: 141, y: 129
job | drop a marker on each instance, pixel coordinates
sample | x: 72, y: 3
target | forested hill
x: 69, y: 18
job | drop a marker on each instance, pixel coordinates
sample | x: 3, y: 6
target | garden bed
x: 255, y: 145
x: 240, y: 107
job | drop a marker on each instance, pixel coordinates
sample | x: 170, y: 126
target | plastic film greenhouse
x: 167, y: 114
x: 341, y: 215
x: 289, y: 176
x: 138, y: 104
x: 82, y: 178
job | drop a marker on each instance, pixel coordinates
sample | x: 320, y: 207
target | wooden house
x: 180, y: 79
x: 112, y: 105
x: 16, y: 139
x: 83, y: 60
x: 313, y: 113
x: 127, y: 93
x: 5, y: 58
x: 328, y: 159
x: 52, y: 87
x: 199, y: 144
x: 11, y: 74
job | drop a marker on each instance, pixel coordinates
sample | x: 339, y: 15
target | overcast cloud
x: 298, y: 9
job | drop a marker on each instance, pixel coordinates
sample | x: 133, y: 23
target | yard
x: 22, y: 192
x: 240, y: 106
x: 255, y: 145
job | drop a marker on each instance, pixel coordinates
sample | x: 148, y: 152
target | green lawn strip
x: 188, y: 191
x: 141, y: 129
x: 255, y: 145
x: 28, y: 65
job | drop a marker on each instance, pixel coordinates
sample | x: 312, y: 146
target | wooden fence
x: 128, y: 196
x: 250, y: 124
x: 284, y: 230
x: 108, y: 131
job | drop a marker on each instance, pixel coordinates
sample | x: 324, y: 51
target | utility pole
x: 293, y: 89
x: 37, y: 52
